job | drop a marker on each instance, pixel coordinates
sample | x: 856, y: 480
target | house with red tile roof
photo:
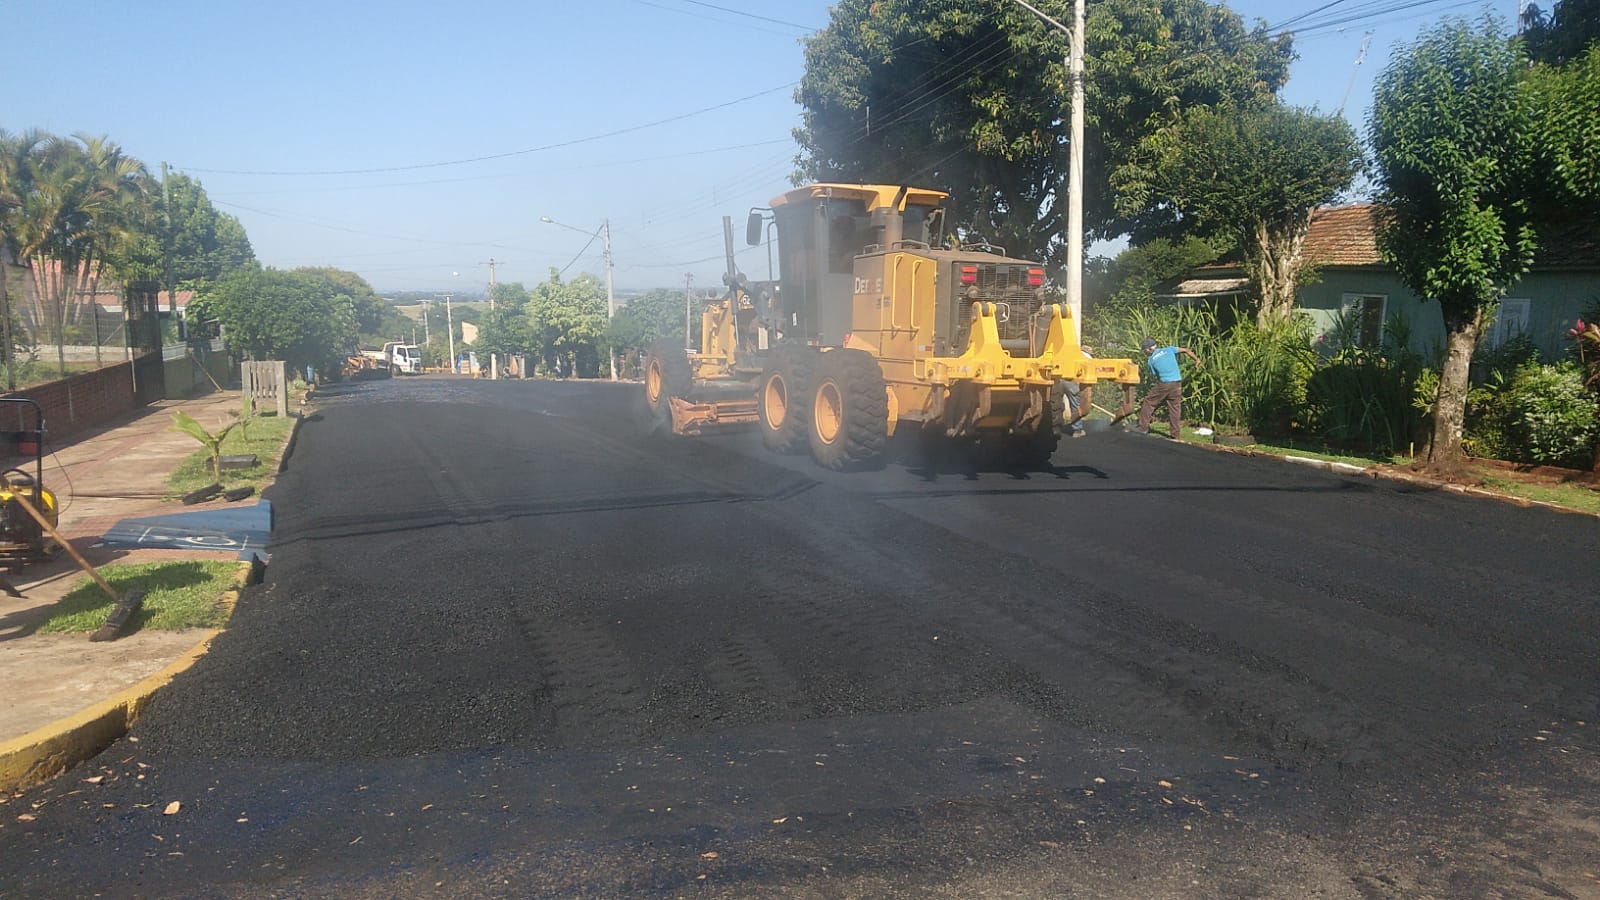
x: 1350, y: 280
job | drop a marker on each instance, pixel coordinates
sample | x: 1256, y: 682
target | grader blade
x: 690, y: 417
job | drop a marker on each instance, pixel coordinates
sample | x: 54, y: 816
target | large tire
x: 666, y: 375
x: 783, y: 398
x: 849, y: 420
x: 1033, y: 451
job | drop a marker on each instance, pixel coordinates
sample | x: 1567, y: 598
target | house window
x: 1510, y: 321
x: 1362, y: 316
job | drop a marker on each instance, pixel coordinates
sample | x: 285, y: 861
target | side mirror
x: 752, y: 229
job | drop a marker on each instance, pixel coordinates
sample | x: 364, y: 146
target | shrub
x: 1541, y: 414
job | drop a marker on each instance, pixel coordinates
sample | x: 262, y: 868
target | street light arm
x: 1036, y: 11
x: 549, y: 221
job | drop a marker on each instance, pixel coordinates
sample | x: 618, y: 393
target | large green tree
x: 566, y: 321
x: 1564, y: 34
x: 1252, y: 173
x: 1567, y: 100
x: 376, y: 319
x: 300, y: 317
x: 206, y: 243
x: 971, y: 96
x: 1455, y: 134
x: 659, y: 314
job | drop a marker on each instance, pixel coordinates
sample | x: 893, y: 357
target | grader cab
x: 873, y: 326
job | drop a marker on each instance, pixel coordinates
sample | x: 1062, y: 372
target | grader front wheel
x: 666, y: 375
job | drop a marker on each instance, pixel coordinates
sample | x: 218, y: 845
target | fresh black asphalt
x: 510, y: 643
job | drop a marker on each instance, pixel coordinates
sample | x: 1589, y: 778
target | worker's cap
x: 1146, y: 344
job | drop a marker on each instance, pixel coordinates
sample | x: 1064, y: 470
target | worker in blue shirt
x: 1168, y: 388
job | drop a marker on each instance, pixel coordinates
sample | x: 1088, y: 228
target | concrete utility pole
x: 450, y: 333
x: 166, y: 259
x: 688, y: 310
x: 611, y: 299
x: 1074, y: 63
x: 494, y: 358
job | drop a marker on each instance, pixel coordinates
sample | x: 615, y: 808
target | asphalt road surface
x: 511, y: 645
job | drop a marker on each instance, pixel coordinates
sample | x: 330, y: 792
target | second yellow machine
x: 872, y: 326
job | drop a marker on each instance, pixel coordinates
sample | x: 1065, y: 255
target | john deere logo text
x: 869, y: 286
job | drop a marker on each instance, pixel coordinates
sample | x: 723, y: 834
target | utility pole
x: 494, y: 358
x: 166, y: 257
x: 611, y: 300
x: 450, y: 333
x: 1075, y: 173
x: 688, y: 309
x: 491, y: 264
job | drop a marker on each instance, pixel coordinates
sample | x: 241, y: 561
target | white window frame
x: 1347, y: 305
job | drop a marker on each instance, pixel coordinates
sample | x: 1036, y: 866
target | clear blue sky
x: 659, y: 115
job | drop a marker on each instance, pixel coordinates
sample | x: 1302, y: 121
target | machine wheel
x: 849, y: 410
x: 666, y: 375
x: 783, y: 398
x: 1033, y: 451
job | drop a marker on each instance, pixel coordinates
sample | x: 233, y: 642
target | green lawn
x: 265, y: 438
x: 1571, y: 496
x: 185, y: 594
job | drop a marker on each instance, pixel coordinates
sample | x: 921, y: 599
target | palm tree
x: 85, y: 193
x: 16, y: 177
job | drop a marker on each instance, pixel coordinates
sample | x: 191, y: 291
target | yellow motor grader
x: 873, y: 326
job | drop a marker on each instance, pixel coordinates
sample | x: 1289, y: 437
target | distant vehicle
x: 402, y: 358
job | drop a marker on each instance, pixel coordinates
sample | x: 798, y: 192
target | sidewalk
x: 102, y: 477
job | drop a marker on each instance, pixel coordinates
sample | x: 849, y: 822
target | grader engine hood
x: 1014, y: 288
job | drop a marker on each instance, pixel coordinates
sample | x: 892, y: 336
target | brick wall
x: 75, y: 404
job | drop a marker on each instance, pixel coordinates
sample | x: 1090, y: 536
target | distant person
x: 1168, y: 388
x: 1070, y: 390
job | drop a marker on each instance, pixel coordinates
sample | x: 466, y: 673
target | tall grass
x: 1252, y: 378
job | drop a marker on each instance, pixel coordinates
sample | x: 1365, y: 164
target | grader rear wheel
x: 849, y: 410
x: 783, y: 399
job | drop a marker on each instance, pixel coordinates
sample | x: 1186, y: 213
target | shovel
x: 125, y: 607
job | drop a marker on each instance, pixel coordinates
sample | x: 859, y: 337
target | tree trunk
x: 1445, y: 455
x: 1272, y: 260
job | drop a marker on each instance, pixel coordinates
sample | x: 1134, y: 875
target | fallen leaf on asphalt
x: 1099, y: 781
x: 1050, y: 845
x: 1164, y: 783
x: 108, y: 806
x: 241, y: 821
x: 709, y: 854
x: 780, y: 821
x: 426, y: 808
x: 96, y: 779
x: 26, y: 817
x: 172, y: 808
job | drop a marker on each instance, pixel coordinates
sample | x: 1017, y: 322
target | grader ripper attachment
x: 872, y: 326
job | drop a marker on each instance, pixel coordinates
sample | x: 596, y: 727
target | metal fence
x: 55, y: 333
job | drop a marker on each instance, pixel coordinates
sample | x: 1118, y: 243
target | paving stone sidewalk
x: 99, y: 477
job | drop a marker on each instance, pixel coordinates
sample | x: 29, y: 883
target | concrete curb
x: 1340, y: 468
x: 44, y: 753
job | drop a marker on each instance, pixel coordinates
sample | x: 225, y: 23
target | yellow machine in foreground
x: 870, y: 328
x: 22, y: 538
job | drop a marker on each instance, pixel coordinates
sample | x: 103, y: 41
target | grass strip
x: 265, y: 438
x: 179, y: 594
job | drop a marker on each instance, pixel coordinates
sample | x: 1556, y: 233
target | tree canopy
x: 300, y: 317
x: 1253, y: 174
x: 1564, y: 34
x: 1456, y: 138
x: 971, y: 96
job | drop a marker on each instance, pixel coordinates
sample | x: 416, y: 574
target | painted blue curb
x: 241, y: 530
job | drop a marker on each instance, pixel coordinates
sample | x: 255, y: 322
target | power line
x: 476, y: 159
